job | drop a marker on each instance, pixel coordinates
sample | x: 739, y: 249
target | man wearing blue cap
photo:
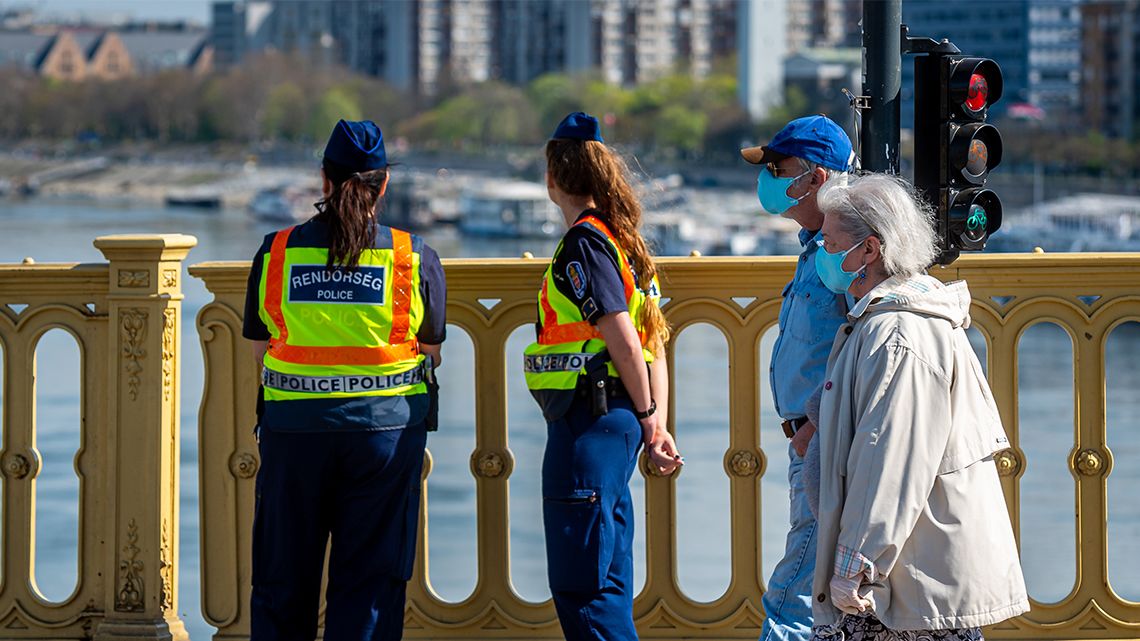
x: 802, y: 156
x: 347, y: 317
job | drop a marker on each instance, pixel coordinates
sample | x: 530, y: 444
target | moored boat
x: 509, y: 208
x: 284, y: 204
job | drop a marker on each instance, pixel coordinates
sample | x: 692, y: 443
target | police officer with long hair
x: 347, y: 318
x: 598, y: 371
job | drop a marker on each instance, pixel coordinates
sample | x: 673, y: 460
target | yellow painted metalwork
x: 741, y: 297
x: 125, y: 318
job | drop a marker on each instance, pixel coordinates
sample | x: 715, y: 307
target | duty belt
x: 351, y: 384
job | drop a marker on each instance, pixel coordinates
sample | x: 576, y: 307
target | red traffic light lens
x: 979, y: 93
x: 972, y: 85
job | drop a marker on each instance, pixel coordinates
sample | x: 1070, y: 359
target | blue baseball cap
x: 579, y: 126
x: 357, y: 145
x: 815, y: 138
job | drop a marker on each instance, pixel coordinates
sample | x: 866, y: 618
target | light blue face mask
x: 829, y: 266
x: 773, y: 192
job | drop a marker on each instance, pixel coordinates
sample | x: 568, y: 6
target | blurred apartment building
x: 823, y: 24
x: 1110, y: 79
x: 422, y: 45
x: 83, y: 52
x: 1037, y: 43
x: 473, y: 40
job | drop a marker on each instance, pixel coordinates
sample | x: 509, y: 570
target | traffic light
x: 955, y: 148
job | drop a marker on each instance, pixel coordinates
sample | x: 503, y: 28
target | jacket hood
x: 921, y: 294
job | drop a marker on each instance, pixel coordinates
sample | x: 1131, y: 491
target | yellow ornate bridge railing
x: 125, y: 317
x: 1087, y: 295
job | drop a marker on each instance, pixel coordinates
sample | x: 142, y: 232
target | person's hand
x: 648, y: 429
x: 662, y: 450
x: 802, y: 437
x: 845, y: 594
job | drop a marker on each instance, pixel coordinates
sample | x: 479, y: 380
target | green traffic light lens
x: 976, y: 220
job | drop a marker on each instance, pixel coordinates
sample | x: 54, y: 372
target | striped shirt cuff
x: 849, y: 563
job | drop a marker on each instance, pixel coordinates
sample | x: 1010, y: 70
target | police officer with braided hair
x: 347, y: 317
x: 597, y: 369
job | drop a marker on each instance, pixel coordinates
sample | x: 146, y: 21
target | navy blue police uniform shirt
x: 359, y: 413
x: 586, y: 270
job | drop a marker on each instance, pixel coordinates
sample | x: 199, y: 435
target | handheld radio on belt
x: 432, y: 420
x: 596, y: 374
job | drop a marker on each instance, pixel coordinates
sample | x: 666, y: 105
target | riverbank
x: 152, y: 181
x: 146, y: 173
x: 708, y: 209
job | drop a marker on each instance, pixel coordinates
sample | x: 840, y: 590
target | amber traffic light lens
x: 979, y: 158
x: 979, y: 94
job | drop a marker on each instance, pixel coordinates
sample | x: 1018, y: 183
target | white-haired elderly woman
x: 914, y: 538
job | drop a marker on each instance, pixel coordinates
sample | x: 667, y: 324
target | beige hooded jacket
x: 908, y: 429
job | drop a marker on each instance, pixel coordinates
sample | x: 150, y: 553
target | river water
x: 60, y: 230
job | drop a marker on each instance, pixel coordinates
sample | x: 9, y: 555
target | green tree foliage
x: 555, y: 95
x: 334, y: 104
x: 276, y: 98
x: 488, y: 114
x: 681, y: 128
x: 285, y: 113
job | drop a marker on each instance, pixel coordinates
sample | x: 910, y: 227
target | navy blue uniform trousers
x: 363, y: 489
x: 587, y: 512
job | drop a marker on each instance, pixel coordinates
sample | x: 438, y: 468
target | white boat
x: 1078, y: 223
x: 509, y: 208
x: 194, y: 197
x: 663, y: 193
x: 284, y: 204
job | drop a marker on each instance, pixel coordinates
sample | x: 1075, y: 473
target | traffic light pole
x: 882, y: 80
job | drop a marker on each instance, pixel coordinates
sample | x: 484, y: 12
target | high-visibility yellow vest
x: 565, y: 341
x: 342, y: 333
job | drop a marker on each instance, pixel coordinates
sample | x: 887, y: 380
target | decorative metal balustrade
x: 1087, y: 295
x: 125, y: 317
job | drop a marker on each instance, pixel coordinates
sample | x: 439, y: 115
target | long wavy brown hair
x: 350, y: 212
x: 589, y: 168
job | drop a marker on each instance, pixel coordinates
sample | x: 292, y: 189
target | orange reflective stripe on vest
x: 275, y: 284
x: 344, y: 355
x: 400, y: 349
x: 552, y: 331
x: 626, y: 272
x: 401, y: 286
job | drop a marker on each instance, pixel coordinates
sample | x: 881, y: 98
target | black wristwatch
x: 647, y: 413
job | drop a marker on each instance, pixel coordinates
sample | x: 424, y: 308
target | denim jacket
x: 809, y: 317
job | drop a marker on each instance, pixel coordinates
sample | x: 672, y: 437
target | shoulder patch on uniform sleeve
x: 577, y: 275
x: 589, y: 308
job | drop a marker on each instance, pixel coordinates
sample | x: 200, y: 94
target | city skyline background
x: 194, y: 10
x: 675, y: 78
